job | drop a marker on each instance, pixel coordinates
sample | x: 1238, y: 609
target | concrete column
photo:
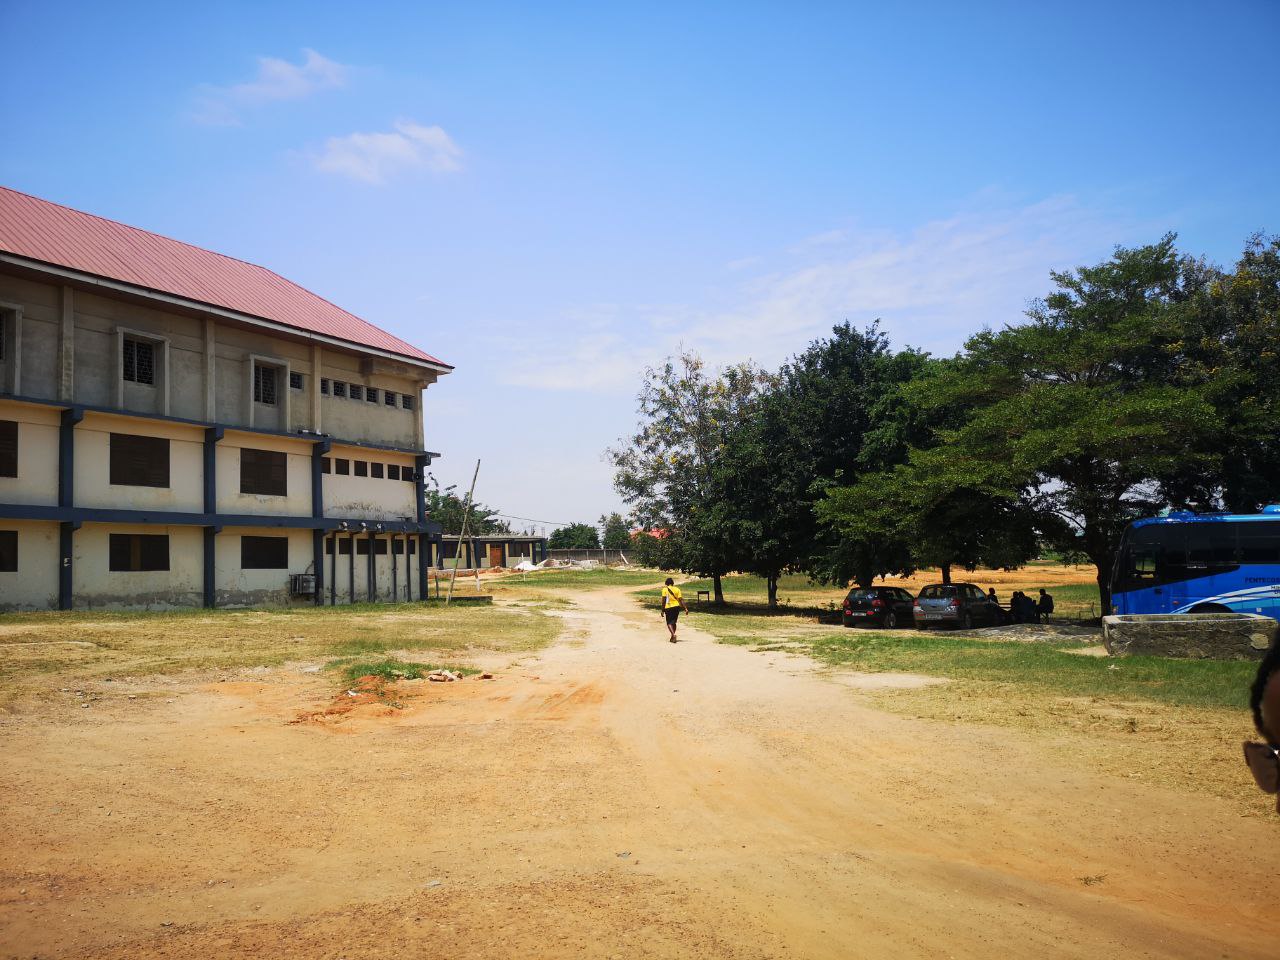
x: 422, y: 566
x: 317, y: 558
x: 210, y: 567
x: 316, y: 358
x: 372, y: 583
x: 66, y: 345
x: 210, y: 373
x: 333, y: 572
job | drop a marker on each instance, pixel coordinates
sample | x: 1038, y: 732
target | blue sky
x: 552, y: 196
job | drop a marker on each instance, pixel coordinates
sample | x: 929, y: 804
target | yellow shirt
x: 670, y: 597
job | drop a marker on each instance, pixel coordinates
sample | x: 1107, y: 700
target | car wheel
x: 891, y: 621
x: 846, y: 621
x: 966, y: 621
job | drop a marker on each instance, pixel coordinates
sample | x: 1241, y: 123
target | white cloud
x: 276, y: 80
x: 372, y: 157
x: 932, y: 286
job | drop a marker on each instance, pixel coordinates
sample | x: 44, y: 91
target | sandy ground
x: 614, y: 796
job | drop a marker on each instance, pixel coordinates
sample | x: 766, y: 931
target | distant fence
x: 600, y: 556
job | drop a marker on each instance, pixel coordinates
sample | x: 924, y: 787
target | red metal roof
x: 54, y: 234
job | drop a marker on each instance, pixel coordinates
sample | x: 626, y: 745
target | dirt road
x: 615, y: 796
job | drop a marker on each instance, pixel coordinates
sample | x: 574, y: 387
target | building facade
x: 179, y: 428
x: 489, y: 551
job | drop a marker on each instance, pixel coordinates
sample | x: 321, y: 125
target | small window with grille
x: 139, y: 361
x: 339, y: 388
x: 295, y: 381
x: 324, y: 385
x: 371, y: 394
x: 389, y: 398
x: 393, y: 471
x: 357, y: 392
x: 375, y: 470
x: 264, y: 384
x: 406, y: 401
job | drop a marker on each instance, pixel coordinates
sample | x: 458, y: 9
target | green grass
x: 1050, y: 668
x: 578, y: 579
x: 391, y: 669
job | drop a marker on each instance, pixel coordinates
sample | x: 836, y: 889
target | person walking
x: 672, y: 604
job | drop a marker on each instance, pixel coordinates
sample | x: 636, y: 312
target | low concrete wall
x: 1196, y: 636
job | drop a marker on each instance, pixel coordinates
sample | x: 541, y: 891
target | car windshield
x: 863, y: 594
x: 933, y: 593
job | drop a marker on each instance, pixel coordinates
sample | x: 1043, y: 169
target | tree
x: 1081, y: 409
x: 654, y: 548
x: 446, y: 508
x: 667, y: 471
x: 576, y: 536
x: 614, y: 532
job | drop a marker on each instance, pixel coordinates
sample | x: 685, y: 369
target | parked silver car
x: 961, y: 605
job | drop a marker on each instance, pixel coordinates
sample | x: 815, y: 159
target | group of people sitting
x: 1024, y: 609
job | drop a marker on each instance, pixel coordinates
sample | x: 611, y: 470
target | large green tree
x: 1080, y: 409
x: 614, y: 532
x: 668, y: 470
x: 445, y: 507
x: 576, y: 536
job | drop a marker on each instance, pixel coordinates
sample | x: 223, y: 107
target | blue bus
x: 1200, y: 563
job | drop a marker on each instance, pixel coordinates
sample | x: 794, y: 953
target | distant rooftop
x: 50, y: 233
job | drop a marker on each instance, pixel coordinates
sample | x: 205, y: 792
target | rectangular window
x: 393, y: 471
x: 380, y: 547
x: 264, y: 553
x: 139, y: 462
x: 139, y: 361
x: 375, y: 471
x: 8, y: 448
x: 397, y: 547
x: 389, y: 398
x: 8, y: 551
x: 357, y: 392
x: 362, y: 548
x: 325, y: 464
x: 406, y: 474
x: 344, y: 547
x: 324, y: 385
x: 295, y: 381
x: 134, y: 552
x: 328, y: 546
x: 339, y: 388
x: 371, y: 394
x: 406, y: 401
x: 264, y: 472
x: 341, y: 467
x: 264, y: 384
x: 362, y: 468
x: 413, y: 547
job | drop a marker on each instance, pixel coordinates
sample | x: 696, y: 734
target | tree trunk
x: 773, y: 592
x: 946, y: 573
x: 718, y: 590
x: 1104, y: 591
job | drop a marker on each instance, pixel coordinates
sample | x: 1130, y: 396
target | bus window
x: 1153, y: 555
x: 1259, y: 541
x: 1211, y: 546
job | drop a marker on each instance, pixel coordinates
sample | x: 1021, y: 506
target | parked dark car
x: 887, y: 607
x: 963, y: 605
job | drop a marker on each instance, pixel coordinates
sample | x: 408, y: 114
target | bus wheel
x: 1209, y: 608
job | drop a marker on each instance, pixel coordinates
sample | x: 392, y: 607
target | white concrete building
x: 179, y: 428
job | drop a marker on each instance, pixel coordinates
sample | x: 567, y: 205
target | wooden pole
x: 466, y: 517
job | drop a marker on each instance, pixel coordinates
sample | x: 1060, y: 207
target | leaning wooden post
x: 466, y: 516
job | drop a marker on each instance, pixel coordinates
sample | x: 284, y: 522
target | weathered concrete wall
x: 235, y: 587
x: 34, y: 586
x: 371, y: 497
x: 95, y: 585
x: 297, y: 503
x: 37, y: 479
x: 386, y: 566
x: 93, y: 486
x: 1217, y: 636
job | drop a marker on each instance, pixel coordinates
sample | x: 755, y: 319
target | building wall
x: 96, y: 586
x: 93, y: 486
x: 34, y: 586
x: 183, y: 386
x: 37, y: 479
x: 370, y: 497
x: 383, y: 570
x: 297, y: 501
x: 236, y: 587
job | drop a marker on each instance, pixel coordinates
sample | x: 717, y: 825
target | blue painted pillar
x: 211, y: 437
x: 66, y: 498
x: 318, y: 452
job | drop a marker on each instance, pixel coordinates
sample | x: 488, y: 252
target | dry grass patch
x: 45, y: 651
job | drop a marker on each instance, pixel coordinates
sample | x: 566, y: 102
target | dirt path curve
x: 616, y: 796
